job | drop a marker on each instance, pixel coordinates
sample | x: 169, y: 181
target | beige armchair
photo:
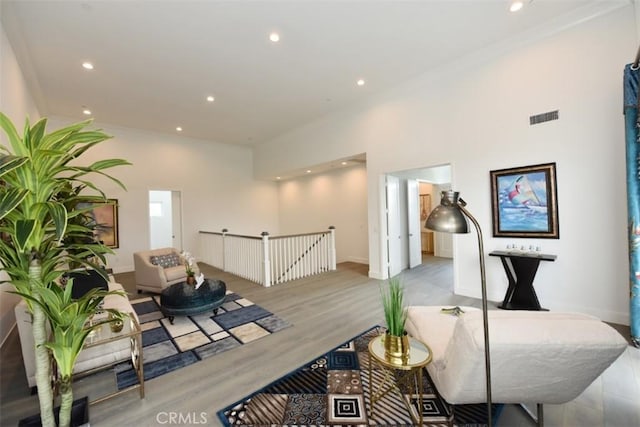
x: 158, y: 268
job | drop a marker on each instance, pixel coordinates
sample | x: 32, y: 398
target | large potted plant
x: 396, y: 341
x: 36, y: 172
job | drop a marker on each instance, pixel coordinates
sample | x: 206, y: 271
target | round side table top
x: 419, y: 354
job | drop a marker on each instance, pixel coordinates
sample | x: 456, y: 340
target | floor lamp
x: 449, y: 217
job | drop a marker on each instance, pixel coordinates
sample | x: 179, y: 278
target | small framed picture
x: 105, y: 217
x: 524, y: 202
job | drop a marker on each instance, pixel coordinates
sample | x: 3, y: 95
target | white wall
x: 17, y: 104
x: 215, y: 180
x: 474, y: 115
x: 16, y: 101
x: 338, y: 198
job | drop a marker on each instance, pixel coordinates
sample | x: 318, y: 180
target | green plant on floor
x: 395, y: 313
x: 40, y: 181
x: 71, y: 322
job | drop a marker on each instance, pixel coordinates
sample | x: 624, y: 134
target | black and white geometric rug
x: 167, y: 347
x: 334, y: 390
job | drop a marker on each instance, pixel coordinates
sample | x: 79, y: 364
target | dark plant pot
x: 79, y: 415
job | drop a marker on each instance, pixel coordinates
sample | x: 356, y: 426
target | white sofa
x: 536, y: 356
x: 154, y: 278
x: 90, y: 358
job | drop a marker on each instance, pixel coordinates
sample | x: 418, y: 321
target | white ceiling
x: 156, y: 61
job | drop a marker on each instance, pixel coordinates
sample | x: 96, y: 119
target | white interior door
x: 393, y: 225
x: 413, y: 218
x: 165, y: 220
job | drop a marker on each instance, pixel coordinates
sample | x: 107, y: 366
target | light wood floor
x: 325, y: 310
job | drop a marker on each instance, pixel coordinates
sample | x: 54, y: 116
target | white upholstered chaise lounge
x: 536, y: 357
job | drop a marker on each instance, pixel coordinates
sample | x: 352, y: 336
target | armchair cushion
x: 175, y: 273
x: 85, y: 280
x: 165, y: 261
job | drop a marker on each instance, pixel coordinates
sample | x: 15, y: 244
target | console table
x: 521, y: 268
x: 103, y: 336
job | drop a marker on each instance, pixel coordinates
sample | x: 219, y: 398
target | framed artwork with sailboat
x: 525, y: 202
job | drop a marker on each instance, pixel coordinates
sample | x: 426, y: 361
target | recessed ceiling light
x: 179, y: 129
x: 360, y: 82
x: 87, y: 65
x: 274, y: 37
x: 277, y: 177
x: 210, y: 98
x: 308, y: 171
x: 86, y: 112
x: 344, y: 163
x: 516, y: 6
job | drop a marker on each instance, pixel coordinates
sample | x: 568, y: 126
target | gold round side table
x: 419, y: 356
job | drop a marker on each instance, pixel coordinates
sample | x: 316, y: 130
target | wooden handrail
x: 297, y: 235
x: 260, y: 238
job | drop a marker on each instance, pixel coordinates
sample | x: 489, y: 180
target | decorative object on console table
x: 521, y: 269
x: 117, y: 321
x: 451, y: 217
x: 396, y: 341
x: 524, y: 202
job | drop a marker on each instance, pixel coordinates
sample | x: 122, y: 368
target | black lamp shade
x: 447, y: 217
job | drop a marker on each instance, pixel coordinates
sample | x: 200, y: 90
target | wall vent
x: 544, y: 117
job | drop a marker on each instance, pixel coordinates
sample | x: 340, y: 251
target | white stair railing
x: 269, y: 260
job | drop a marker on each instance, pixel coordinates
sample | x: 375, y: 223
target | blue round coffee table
x: 183, y: 299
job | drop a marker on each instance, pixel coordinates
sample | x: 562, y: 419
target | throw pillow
x: 84, y: 281
x: 165, y: 261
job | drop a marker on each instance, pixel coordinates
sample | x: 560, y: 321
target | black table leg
x: 521, y: 270
x: 520, y: 293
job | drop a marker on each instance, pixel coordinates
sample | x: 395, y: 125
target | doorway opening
x: 411, y: 196
x: 165, y: 219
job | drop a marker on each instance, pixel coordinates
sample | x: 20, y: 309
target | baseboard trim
x: 377, y: 275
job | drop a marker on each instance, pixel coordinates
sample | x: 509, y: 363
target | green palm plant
x: 38, y: 181
x: 69, y: 319
x: 395, y: 313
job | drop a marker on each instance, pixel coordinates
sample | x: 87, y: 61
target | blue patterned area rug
x: 334, y: 390
x: 167, y: 347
